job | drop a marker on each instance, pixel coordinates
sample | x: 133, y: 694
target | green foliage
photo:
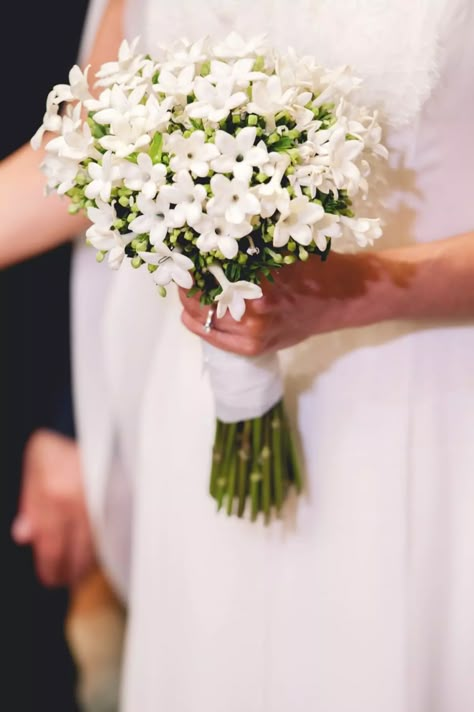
x: 97, y: 130
x: 156, y: 147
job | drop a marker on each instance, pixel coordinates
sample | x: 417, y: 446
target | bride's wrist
x: 377, y: 286
x: 424, y: 281
x: 405, y: 283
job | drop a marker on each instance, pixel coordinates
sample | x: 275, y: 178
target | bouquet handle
x: 244, y: 387
x: 254, y: 459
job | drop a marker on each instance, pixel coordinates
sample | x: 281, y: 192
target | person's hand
x: 306, y: 298
x: 52, y: 515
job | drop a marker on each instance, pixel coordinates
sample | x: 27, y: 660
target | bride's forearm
x: 432, y: 280
x: 31, y: 222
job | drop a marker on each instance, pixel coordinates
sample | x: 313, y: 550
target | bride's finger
x: 200, y: 314
x: 191, y: 304
x: 251, y: 321
x: 237, y: 342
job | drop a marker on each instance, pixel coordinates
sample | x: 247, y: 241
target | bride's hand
x: 306, y: 298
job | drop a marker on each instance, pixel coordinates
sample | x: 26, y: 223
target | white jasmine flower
x: 371, y: 135
x: 234, y: 46
x: 277, y: 163
x: 302, y: 117
x: 76, y: 144
x: 353, y: 118
x: 52, y: 121
x: 116, y: 255
x: 173, y: 266
x: 298, y: 71
x: 239, y: 155
x: 145, y: 77
x: 124, y: 69
x: 157, y: 114
x: 339, y: 154
x: 103, y: 237
x: 307, y: 150
x: 302, y: 98
x: 77, y: 89
x: 233, y: 199
x: 214, y: 102
x: 182, y: 53
x: 272, y: 197
x: 191, y: 154
x: 157, y: 217
x: 144, y: 176
x: 328, y: 226
x: 216, y: 233
x: 104, y: 176
x: 268, y: 98
x: 233, y: 294
x: 317, y: 138
x: 126, y: 137
x: 60, y: 172
x: 309, y: 176
x: 102, y: 101
x: 365, y: 230
x: 102, y: 217
x: 188, y: 195
x: 336, y: 82
x: 239, y: 73
x: 122, y: 106
x: 70, y: 124
x: 363, y: 126
x: 296, y: 222
x: 111, y: 242
x: 177, y: 86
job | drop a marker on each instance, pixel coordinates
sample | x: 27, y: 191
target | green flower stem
x: 256, y: 438
x: 230, y: 430
x: 221, y: 483
x: 256, y: 476
x: 217, y: 455
x: 255, y: 481
x: 266, y: 470
x: 244, y: 464
x: 294, y: 465
x: 231, y: 485
x: 254, y: 461
x: 278, y: 457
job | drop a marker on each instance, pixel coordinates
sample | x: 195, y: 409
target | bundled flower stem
x: 215, y: 165
x: 254, y: 463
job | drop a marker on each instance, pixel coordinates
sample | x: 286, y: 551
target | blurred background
x: 35, y: 383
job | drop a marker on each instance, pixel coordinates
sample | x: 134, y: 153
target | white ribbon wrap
x: 244, y: 387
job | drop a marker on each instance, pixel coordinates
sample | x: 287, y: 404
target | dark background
x: 34, y: 365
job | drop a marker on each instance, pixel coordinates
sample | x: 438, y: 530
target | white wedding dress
x: 361, y: 598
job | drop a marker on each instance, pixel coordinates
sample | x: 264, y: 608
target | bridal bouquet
x: 213, y: 165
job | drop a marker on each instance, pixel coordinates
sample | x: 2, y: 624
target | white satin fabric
x: 243, y: 387
x: 360, y: 599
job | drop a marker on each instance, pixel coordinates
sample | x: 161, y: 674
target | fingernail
x: 21, y: 530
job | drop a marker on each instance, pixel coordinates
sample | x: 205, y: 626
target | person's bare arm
x: 427, y: 281
x: 30, y: 222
